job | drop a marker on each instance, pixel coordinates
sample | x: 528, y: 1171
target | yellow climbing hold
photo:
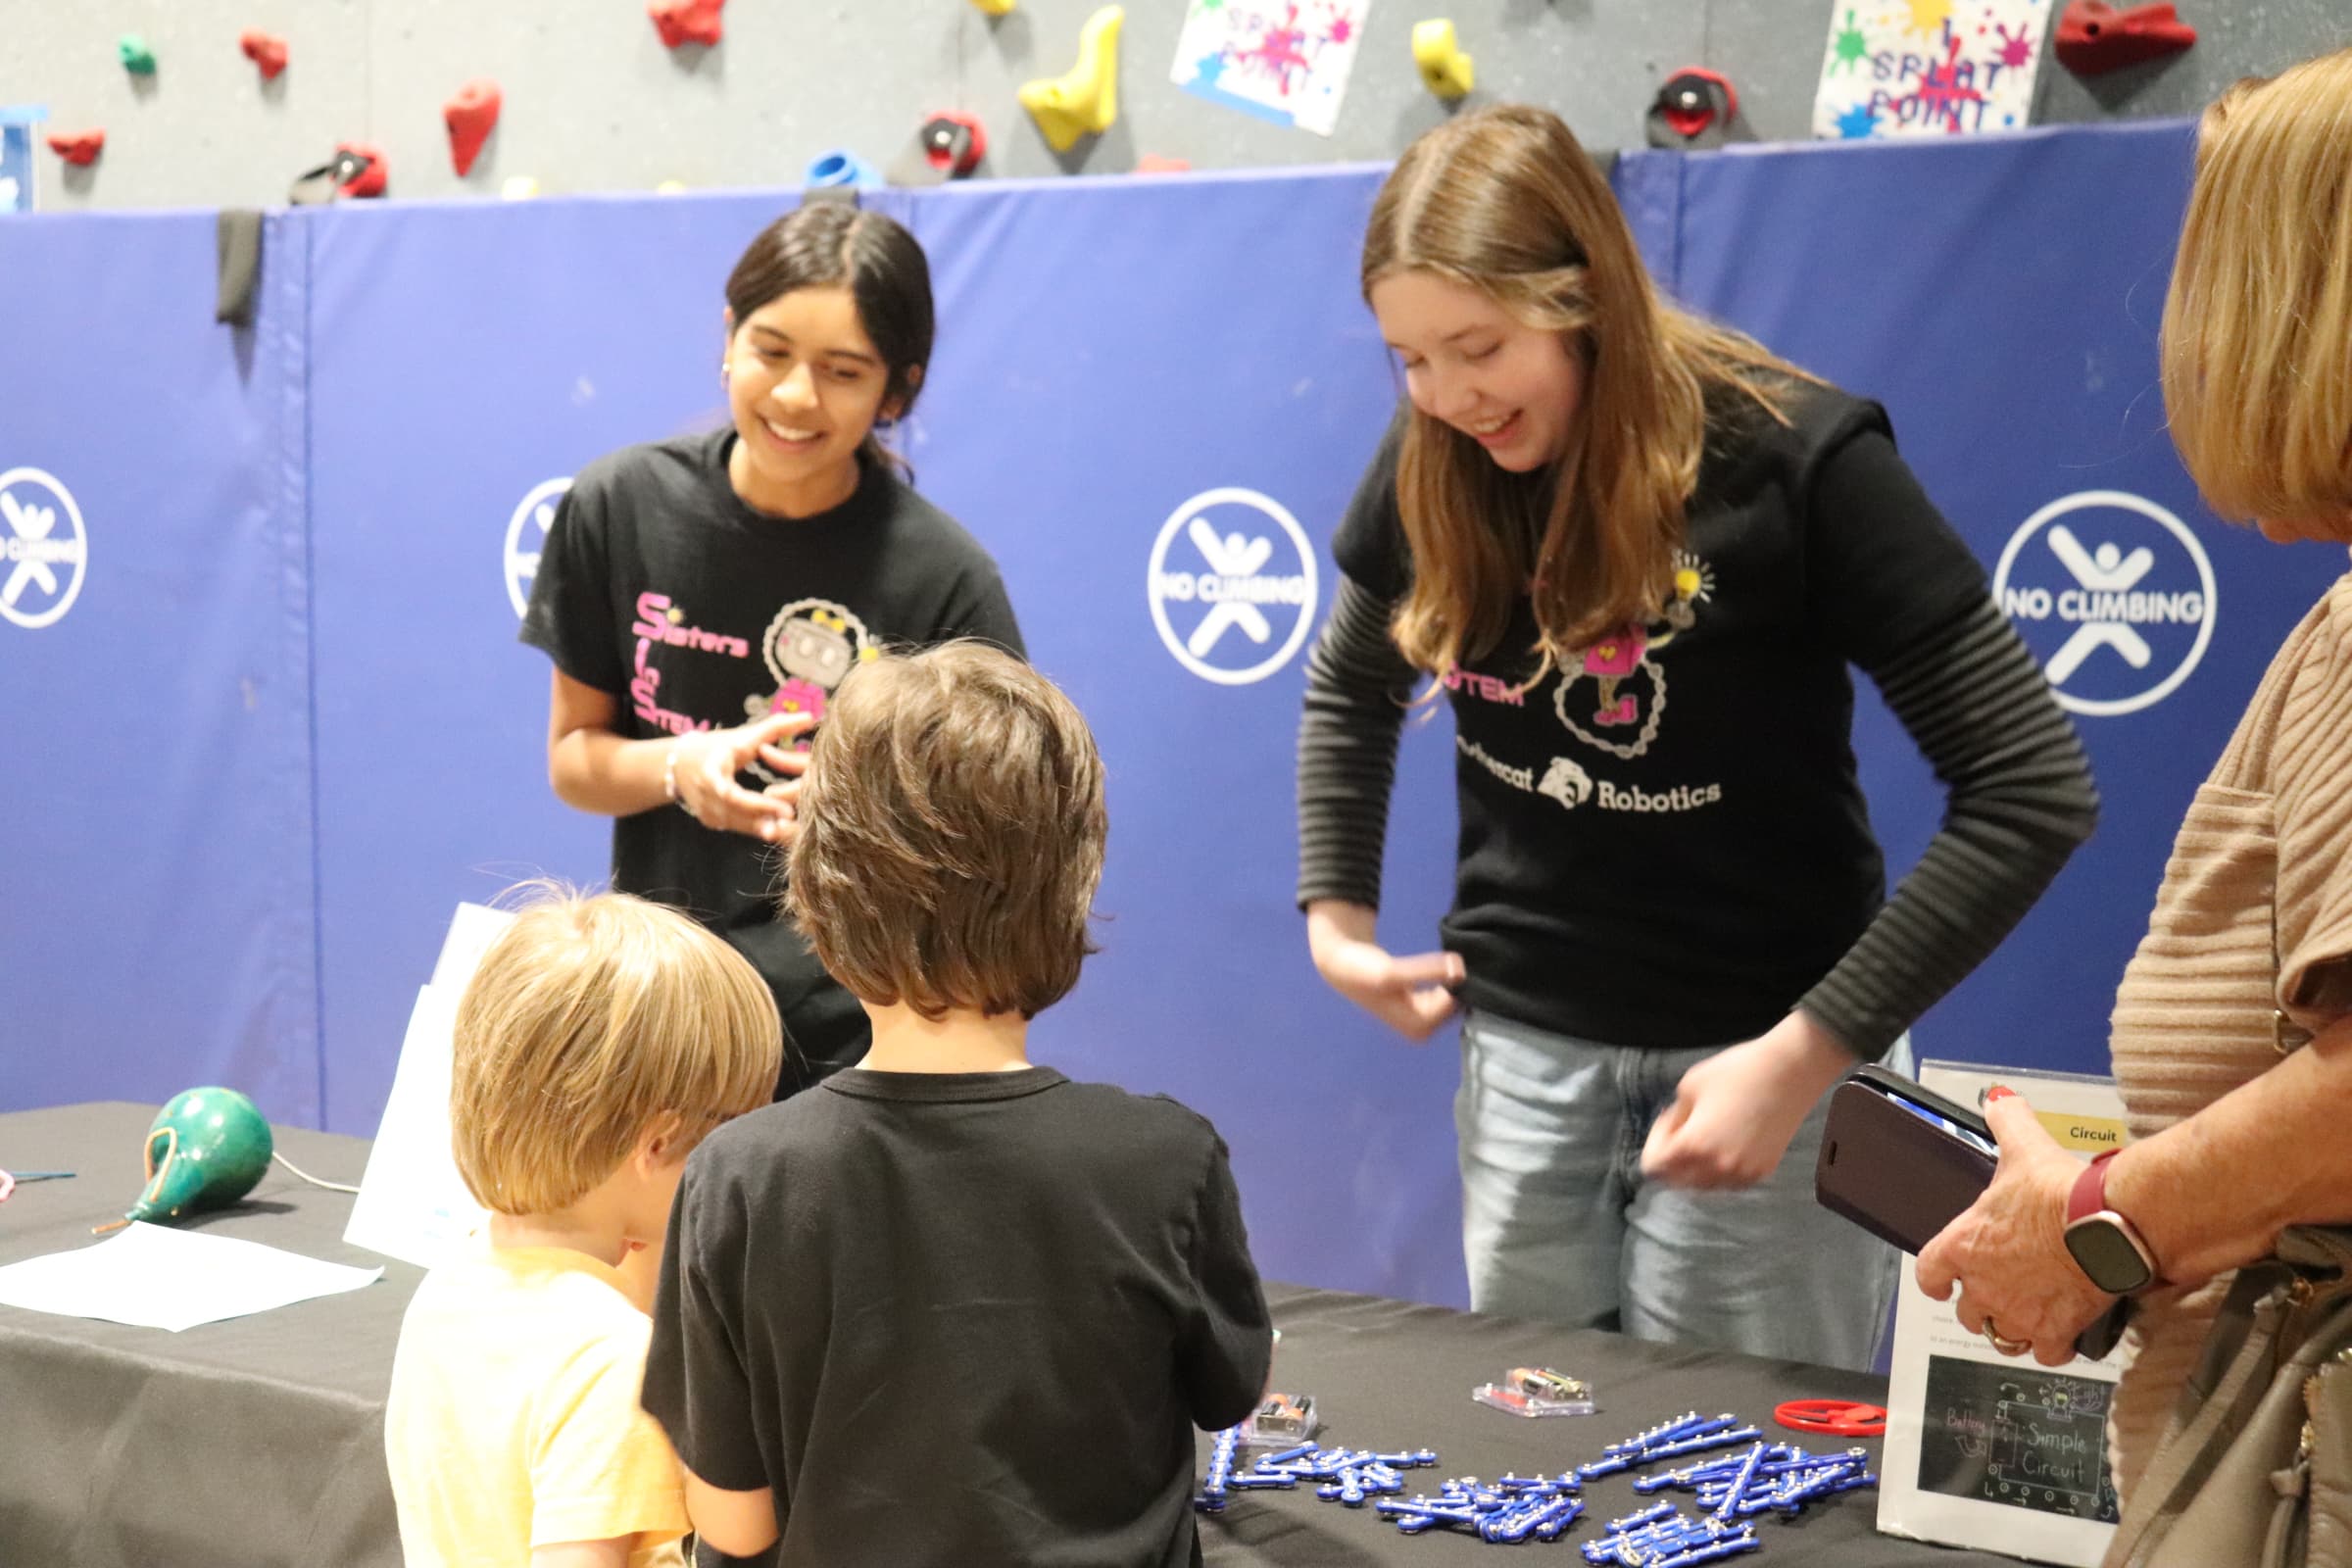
x: 1085, y: 100
x: 995, y: 8
x: 1445, y: 69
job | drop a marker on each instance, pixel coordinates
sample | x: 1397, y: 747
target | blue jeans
x: 1560, y: 1225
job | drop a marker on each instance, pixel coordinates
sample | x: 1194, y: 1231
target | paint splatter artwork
x: 1929, y: 68
x: 1285, y: 61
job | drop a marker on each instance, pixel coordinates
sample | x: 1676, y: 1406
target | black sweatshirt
x: 1664, y: 843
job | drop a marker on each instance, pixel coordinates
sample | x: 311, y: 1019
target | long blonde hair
x: 2258, y: 323
x: 1505, y: 201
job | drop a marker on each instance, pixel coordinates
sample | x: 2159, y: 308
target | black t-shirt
x: 959, y: 1319
x: 659, y: 585
x: 1664, y: 843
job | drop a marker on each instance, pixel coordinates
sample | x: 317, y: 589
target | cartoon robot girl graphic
x: 809, y: 647
x: 1613, y: 662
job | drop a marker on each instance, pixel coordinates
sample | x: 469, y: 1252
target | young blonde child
x: 949, y: 1307
x: 598, y: 1042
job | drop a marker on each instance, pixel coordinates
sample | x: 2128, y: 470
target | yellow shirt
x: 512, y: 1421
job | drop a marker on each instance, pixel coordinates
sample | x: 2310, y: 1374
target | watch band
x: 2089, y: 1194
x: 2087, y: 1200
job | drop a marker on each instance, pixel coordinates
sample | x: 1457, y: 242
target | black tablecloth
x: 258, y: 1441
x: 1391, y: 1375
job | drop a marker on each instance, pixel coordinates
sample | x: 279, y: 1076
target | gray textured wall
x: 593, y: 101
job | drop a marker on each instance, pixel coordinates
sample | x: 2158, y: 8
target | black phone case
x: 1898, y: 1177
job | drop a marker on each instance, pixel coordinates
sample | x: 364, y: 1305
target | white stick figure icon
x: 33, y: 525
x: 1230, y: 557
x: 2104, y: 570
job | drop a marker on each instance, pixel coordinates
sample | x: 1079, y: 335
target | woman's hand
x: 1408, y: 995
x: 704, y: 763
x: 1735, y: 1113
x: 2007, y: 1251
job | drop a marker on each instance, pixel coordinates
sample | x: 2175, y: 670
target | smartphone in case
x: 1899, y: 1161
x: 1903, y: 1162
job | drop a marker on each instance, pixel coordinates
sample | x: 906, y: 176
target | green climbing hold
x: 137, y: 58
x: 208, y: 1149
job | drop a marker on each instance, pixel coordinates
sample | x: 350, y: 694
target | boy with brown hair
x: 950, y: 1308
x: 600, y: 1040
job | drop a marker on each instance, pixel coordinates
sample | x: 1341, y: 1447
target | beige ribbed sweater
x: 2194, y: 1015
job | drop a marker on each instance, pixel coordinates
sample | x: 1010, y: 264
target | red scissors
x: 1836, y: 1418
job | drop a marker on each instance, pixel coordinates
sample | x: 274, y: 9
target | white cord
x: 333, y: 1187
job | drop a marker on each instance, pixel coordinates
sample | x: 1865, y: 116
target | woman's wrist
x: 669, y: 771
x: 1815, y: 1057
x: 1339, y: 920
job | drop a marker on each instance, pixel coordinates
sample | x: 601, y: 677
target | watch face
x: 2107, y: 1255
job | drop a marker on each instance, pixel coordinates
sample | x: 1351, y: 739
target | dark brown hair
x: 827, y: 244
x: 951, y: 832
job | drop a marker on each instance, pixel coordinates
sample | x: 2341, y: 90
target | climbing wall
x: 594, y: 101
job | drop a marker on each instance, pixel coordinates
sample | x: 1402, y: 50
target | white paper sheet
x: 153, y: 1276
x: 1983, y: 1449
x: 413, y: 1203
x: 471, y: 930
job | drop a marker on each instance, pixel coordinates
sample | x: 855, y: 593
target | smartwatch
x: 2104, y: 1243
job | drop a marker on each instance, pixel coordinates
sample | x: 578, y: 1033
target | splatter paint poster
x: 1929, y: 67
x: 1285, y: 61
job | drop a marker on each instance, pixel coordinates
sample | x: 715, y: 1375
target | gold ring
x: 2006, y: 1347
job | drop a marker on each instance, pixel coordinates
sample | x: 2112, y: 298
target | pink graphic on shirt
x: 645, y: 687
x: 1625, y: 666
x: 662, y: 621
x: 662, y: 624
x: 811, y: 648
x: 1609, y: 663
x: 1486, y: 688
x: 798, y: 696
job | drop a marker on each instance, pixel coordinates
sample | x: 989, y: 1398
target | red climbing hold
x: 265, y: 50
x: 2093, y: 38
x: 953, y: 143
x: 79, y: 148
x: 472, y: 116
x: 686, y: 20
x: 372, y: 180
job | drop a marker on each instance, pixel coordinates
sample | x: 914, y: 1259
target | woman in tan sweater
x: 2232, y: 1028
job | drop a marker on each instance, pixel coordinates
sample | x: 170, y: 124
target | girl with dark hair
x: 702, y: 597
x: 1670, y: 924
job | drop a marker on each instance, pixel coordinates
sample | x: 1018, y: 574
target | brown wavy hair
x: 1505, y: 201
x: 952, y: 834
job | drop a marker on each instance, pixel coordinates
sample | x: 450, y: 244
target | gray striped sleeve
x: 2020, y: 799
x: 1357, y: 689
